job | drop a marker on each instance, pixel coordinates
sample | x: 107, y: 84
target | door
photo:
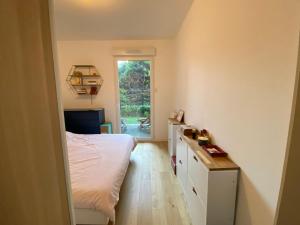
x: 287, y: 209
x: 134, y: 79
x: 34, y: 185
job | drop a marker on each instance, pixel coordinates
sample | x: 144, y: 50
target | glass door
x: 134, y: 87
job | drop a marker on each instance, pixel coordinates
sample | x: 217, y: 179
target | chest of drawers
x: 209, y: 185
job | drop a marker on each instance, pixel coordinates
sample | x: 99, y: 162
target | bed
x: 98, y: 165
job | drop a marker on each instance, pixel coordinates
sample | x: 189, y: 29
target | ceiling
x: 118, y: 19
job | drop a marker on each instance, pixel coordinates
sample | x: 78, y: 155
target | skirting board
x: 152, y: 140
x: 90, y: 216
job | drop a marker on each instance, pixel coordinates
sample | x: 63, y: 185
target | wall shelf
x: 84, y: 79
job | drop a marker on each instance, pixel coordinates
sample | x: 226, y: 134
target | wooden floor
x: 150, y: 194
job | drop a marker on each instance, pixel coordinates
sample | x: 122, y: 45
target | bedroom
x: 231, y: 66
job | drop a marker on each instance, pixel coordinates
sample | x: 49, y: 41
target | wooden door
x: 33, y: 187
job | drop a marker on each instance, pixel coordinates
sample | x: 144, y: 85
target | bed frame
x: 90, y: 216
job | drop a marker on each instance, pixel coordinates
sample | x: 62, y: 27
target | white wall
x: 236, y: 66
x: 99, y: 53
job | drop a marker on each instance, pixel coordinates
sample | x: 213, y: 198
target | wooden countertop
x: 212, y: 163
x: 175, y: 122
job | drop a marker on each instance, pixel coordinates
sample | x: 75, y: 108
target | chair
x: 145, y: 122
x: 123, y: 125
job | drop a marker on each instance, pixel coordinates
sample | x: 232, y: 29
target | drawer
x: 198, y: 174
x: 197, y: 209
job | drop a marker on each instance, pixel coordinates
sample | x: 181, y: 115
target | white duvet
x: 98, y: 165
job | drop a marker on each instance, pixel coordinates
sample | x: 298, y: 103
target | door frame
x: 61, y: 112
x: 118, y: 112
x: 289, y: 178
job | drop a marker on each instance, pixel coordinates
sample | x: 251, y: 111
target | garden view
x: 135, y: 98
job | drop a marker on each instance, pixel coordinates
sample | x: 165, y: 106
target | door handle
x: 194, y: 190
x: 180, y: 162
x: 195, y: 158
x: 180, y: 138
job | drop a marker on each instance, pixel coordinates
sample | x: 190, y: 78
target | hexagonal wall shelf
x: 84, y: 79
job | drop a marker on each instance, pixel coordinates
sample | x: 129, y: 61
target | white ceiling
x: 118, y: 19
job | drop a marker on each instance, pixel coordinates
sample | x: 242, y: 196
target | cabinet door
x: 198, y: 174
x: 222, y: 187
x: 181, y: 162
x: 197, y: 209
x: 170, y: 138
x: 175, y: 129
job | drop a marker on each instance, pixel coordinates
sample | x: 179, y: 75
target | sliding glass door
x: 134, y: 89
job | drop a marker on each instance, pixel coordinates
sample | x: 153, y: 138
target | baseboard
x: 152, y: 141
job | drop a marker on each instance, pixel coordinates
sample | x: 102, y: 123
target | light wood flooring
x: 150, y: 194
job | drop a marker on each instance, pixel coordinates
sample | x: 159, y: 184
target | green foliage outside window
x: 134, y: 84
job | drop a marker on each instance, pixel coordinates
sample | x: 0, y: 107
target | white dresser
x: 209, y: 184
x: 172, y: 131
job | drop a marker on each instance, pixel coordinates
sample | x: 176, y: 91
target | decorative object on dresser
x: 203, y: 137
x: 202, y: 140
x: 188, y: 130
x: 180, y: 115
x: 173, y: 115
x: 209, y: 184
x: 214, y: 150
x: 194, y: 133
x: 84, y: 80
x: 84, y: 121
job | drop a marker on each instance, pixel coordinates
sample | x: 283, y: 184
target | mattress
x: 98, y: 164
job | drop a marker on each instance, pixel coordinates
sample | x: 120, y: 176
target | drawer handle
x: 195, y: 158
x: 194, y: 190
x: 180, y: 138
x: 180, y: 161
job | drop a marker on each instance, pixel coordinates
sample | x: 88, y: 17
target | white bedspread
x: 98, y: 165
